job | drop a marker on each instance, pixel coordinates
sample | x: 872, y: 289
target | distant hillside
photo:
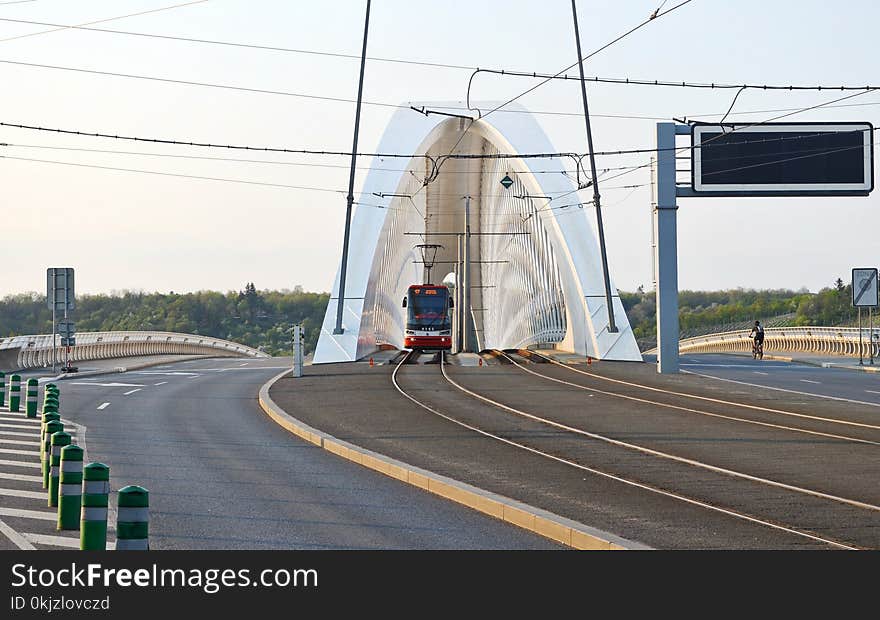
x: 255, y: 318
x: 264, y: 318
x: 705, y: 312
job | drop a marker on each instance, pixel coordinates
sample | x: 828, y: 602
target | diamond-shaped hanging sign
x: 506, y: 182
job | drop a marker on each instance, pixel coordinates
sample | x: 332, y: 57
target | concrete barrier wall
x: 35, y: 351
x: 842, y: 341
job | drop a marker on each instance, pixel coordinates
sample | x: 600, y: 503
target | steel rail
x: 592, y: 470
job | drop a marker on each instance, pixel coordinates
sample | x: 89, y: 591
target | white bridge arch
x: 542, y: 285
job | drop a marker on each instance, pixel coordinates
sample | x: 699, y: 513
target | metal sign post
x: 60, y: 296
x: 66, y: 329
x: 666, y: 259
x: 861, y: 363
x: 841, y: 163
x: 297, y: 351
x: 866, y: 294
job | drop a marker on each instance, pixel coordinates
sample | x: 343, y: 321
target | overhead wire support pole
x: 340, y: 301
x: 612, y: 327
x: 466, y: 279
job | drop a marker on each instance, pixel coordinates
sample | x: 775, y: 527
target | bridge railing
x: 816, y: 340
x: 36, y: 351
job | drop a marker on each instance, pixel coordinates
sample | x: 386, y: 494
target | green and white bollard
x: 14, y: 393
x: 52, y: 427
x: 59, y: 441
x: 51, y: 402
x: 50, y: 394
x: 31, y: 407
x: 70, y: 490
x: 133, y: 519
x: 93, y: 517
x: 48, y: 416
x: 2, y: 389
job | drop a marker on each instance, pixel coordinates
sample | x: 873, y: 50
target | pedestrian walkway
x: 26, y: 520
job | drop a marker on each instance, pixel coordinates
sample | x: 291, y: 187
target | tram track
x: 702, y: 412
x: 571, y: 459
x: 598, y: 378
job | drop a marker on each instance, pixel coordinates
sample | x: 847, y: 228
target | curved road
x: 796, y: 379
x: 222, y: 475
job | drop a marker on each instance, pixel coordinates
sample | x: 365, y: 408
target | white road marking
x: 165, y: 373
x: 17, y: 539
x: 68, y: 542
x: 21, y: 477
x: 28, y: 514
x: 16, y: 434
x: 19, y: 442
x: 13, y: 418
x: 809, y: 381
x: 132, y: 391
x: 22, y: 426
x: 778, y: 389
x: 872, y: 392
x: 103, y: 406
x: 245, y: 364
x: 115, y: 384
x: 55, y: 541
x: 161, y: 383
x: 21, y: 464
x: 12, y: 451
x: 20, y: 493
x: 758, y: 372
x: 228, y: 368
x: 723, y: 365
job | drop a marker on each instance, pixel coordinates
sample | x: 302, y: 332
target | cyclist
x: 757, y: 334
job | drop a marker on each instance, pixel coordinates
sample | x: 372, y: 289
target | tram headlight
x: 445, y: 332
x: 410, y: 332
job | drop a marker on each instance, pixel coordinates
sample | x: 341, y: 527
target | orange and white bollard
x: 589, y: 361
x: 481, y: 361
x: 371, y: 362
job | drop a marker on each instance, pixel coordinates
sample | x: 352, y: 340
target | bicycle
x: 757, y: 349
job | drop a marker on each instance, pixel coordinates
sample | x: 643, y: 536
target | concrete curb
x: 542, y: 522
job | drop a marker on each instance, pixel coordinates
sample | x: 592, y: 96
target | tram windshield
x: 428, y: 309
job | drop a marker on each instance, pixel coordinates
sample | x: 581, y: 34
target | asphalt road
x: 222, y: 475
x: 796, y: 378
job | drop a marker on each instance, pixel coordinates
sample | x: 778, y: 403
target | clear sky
x: 129, y: 230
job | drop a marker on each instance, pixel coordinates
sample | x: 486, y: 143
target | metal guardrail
x: 36, y: 351
x: 818, y: 340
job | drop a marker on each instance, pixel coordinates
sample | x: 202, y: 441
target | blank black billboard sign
x: 783, y: 159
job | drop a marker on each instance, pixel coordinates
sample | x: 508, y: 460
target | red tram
x: 428, y: 317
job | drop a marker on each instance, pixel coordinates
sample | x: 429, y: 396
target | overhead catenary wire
x: 255, y: 46
x: 264, y: 91
x: 257, y: 161
x: 679, y: 83
x: 101, y: 21
x: 173, y: 174
x: 620, y: 37
x: 269, y: 149
x: 382, y: 104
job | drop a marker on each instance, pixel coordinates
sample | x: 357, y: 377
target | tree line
x: 264, y: 319
x: 710, y: 311
x: 259, y: 319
